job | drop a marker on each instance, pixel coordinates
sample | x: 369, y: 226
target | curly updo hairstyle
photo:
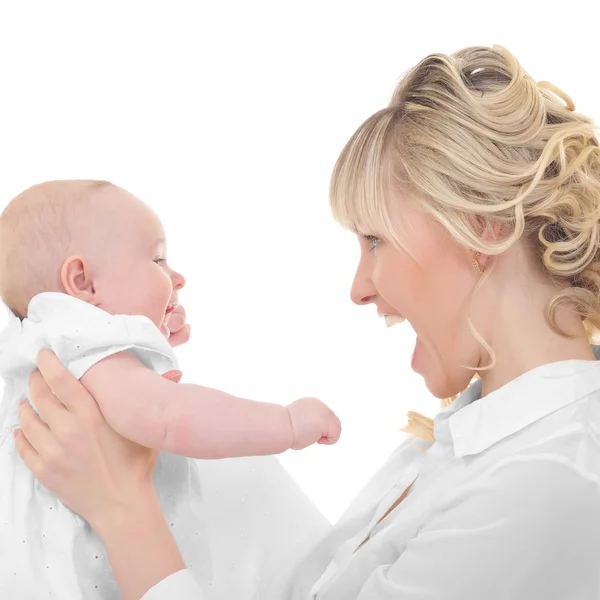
x: 473, y: 134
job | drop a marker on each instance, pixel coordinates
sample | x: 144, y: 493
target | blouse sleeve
x: 528, y: 529
x: 179, y: 586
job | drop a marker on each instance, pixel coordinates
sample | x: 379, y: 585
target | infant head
x: 91, y: 240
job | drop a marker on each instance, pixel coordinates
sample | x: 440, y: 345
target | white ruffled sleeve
x: 179, y: 586
x: 82, y: 334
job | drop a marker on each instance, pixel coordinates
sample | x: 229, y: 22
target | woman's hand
x: 73, y: 451
x: 101, y: 476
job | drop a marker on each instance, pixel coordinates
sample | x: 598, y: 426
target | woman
x: 475, y: 197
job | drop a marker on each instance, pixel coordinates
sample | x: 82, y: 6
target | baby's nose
x: 178, y: 280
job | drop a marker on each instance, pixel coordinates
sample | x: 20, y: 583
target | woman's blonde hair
x: 473, y: 135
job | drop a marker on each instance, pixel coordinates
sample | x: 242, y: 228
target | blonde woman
x: 475, y: 198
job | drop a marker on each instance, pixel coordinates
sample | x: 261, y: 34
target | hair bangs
x: 361, y: 179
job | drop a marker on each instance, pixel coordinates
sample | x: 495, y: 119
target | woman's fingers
x: 35, y: 430
x: 27, y: 452
x: 75, y: 453
x: 57, y: 377
x: 67, y: 388
x: 174, y: 375
x: 46, y: 403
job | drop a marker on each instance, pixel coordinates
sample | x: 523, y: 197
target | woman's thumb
x: 173, y: 375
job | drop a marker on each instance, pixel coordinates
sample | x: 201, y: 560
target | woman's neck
x: 529, y: 342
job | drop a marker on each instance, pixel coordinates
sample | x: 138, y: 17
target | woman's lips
x: 170, y: 308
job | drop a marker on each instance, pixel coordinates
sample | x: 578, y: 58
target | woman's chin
x: 443, y: 387
x: 441, y: 379
x: 416, y: 359
x: 436, y: 390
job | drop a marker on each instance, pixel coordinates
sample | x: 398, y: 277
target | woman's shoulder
x: 542, y: 485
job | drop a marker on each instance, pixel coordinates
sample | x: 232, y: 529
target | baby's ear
x: 76, y: 278
x: 173, y: 375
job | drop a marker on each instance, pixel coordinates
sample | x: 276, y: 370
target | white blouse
x: 505, y: 504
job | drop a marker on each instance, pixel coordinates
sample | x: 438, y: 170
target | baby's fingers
x: 327, y: 441
x: 333, y: 433
x: 182, y: 336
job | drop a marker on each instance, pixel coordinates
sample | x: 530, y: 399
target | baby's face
x: 133, y: 276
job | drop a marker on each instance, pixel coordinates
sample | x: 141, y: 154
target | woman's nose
x: 362, y: 291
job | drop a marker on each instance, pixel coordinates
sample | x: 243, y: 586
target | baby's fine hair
x: 38, y: 230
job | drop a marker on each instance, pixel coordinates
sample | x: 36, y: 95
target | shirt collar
x: 472, y: 426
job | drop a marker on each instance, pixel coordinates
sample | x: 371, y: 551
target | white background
x: 227, y: 118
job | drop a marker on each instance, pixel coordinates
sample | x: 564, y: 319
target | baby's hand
x: 175, y: 329
x: 313, y: 422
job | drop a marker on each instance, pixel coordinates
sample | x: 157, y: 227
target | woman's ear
x: 487, y: 228
x: 492, y: 230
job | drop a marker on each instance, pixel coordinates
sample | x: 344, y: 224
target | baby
x: 83, y: 270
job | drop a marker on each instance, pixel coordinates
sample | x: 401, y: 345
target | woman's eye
x: 373, y: 240
x: 159, y: 261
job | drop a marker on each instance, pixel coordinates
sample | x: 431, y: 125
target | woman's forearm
x: 139, y: 546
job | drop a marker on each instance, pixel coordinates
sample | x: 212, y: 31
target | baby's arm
x: 183, y: 418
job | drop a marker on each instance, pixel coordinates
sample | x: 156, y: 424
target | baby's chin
x: 165, y: 330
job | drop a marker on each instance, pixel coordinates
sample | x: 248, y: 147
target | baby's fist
x: 313, y: 423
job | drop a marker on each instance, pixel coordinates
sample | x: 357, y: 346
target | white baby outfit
x: 45, y: 550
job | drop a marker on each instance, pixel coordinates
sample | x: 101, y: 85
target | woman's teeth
x: 391, y: 320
